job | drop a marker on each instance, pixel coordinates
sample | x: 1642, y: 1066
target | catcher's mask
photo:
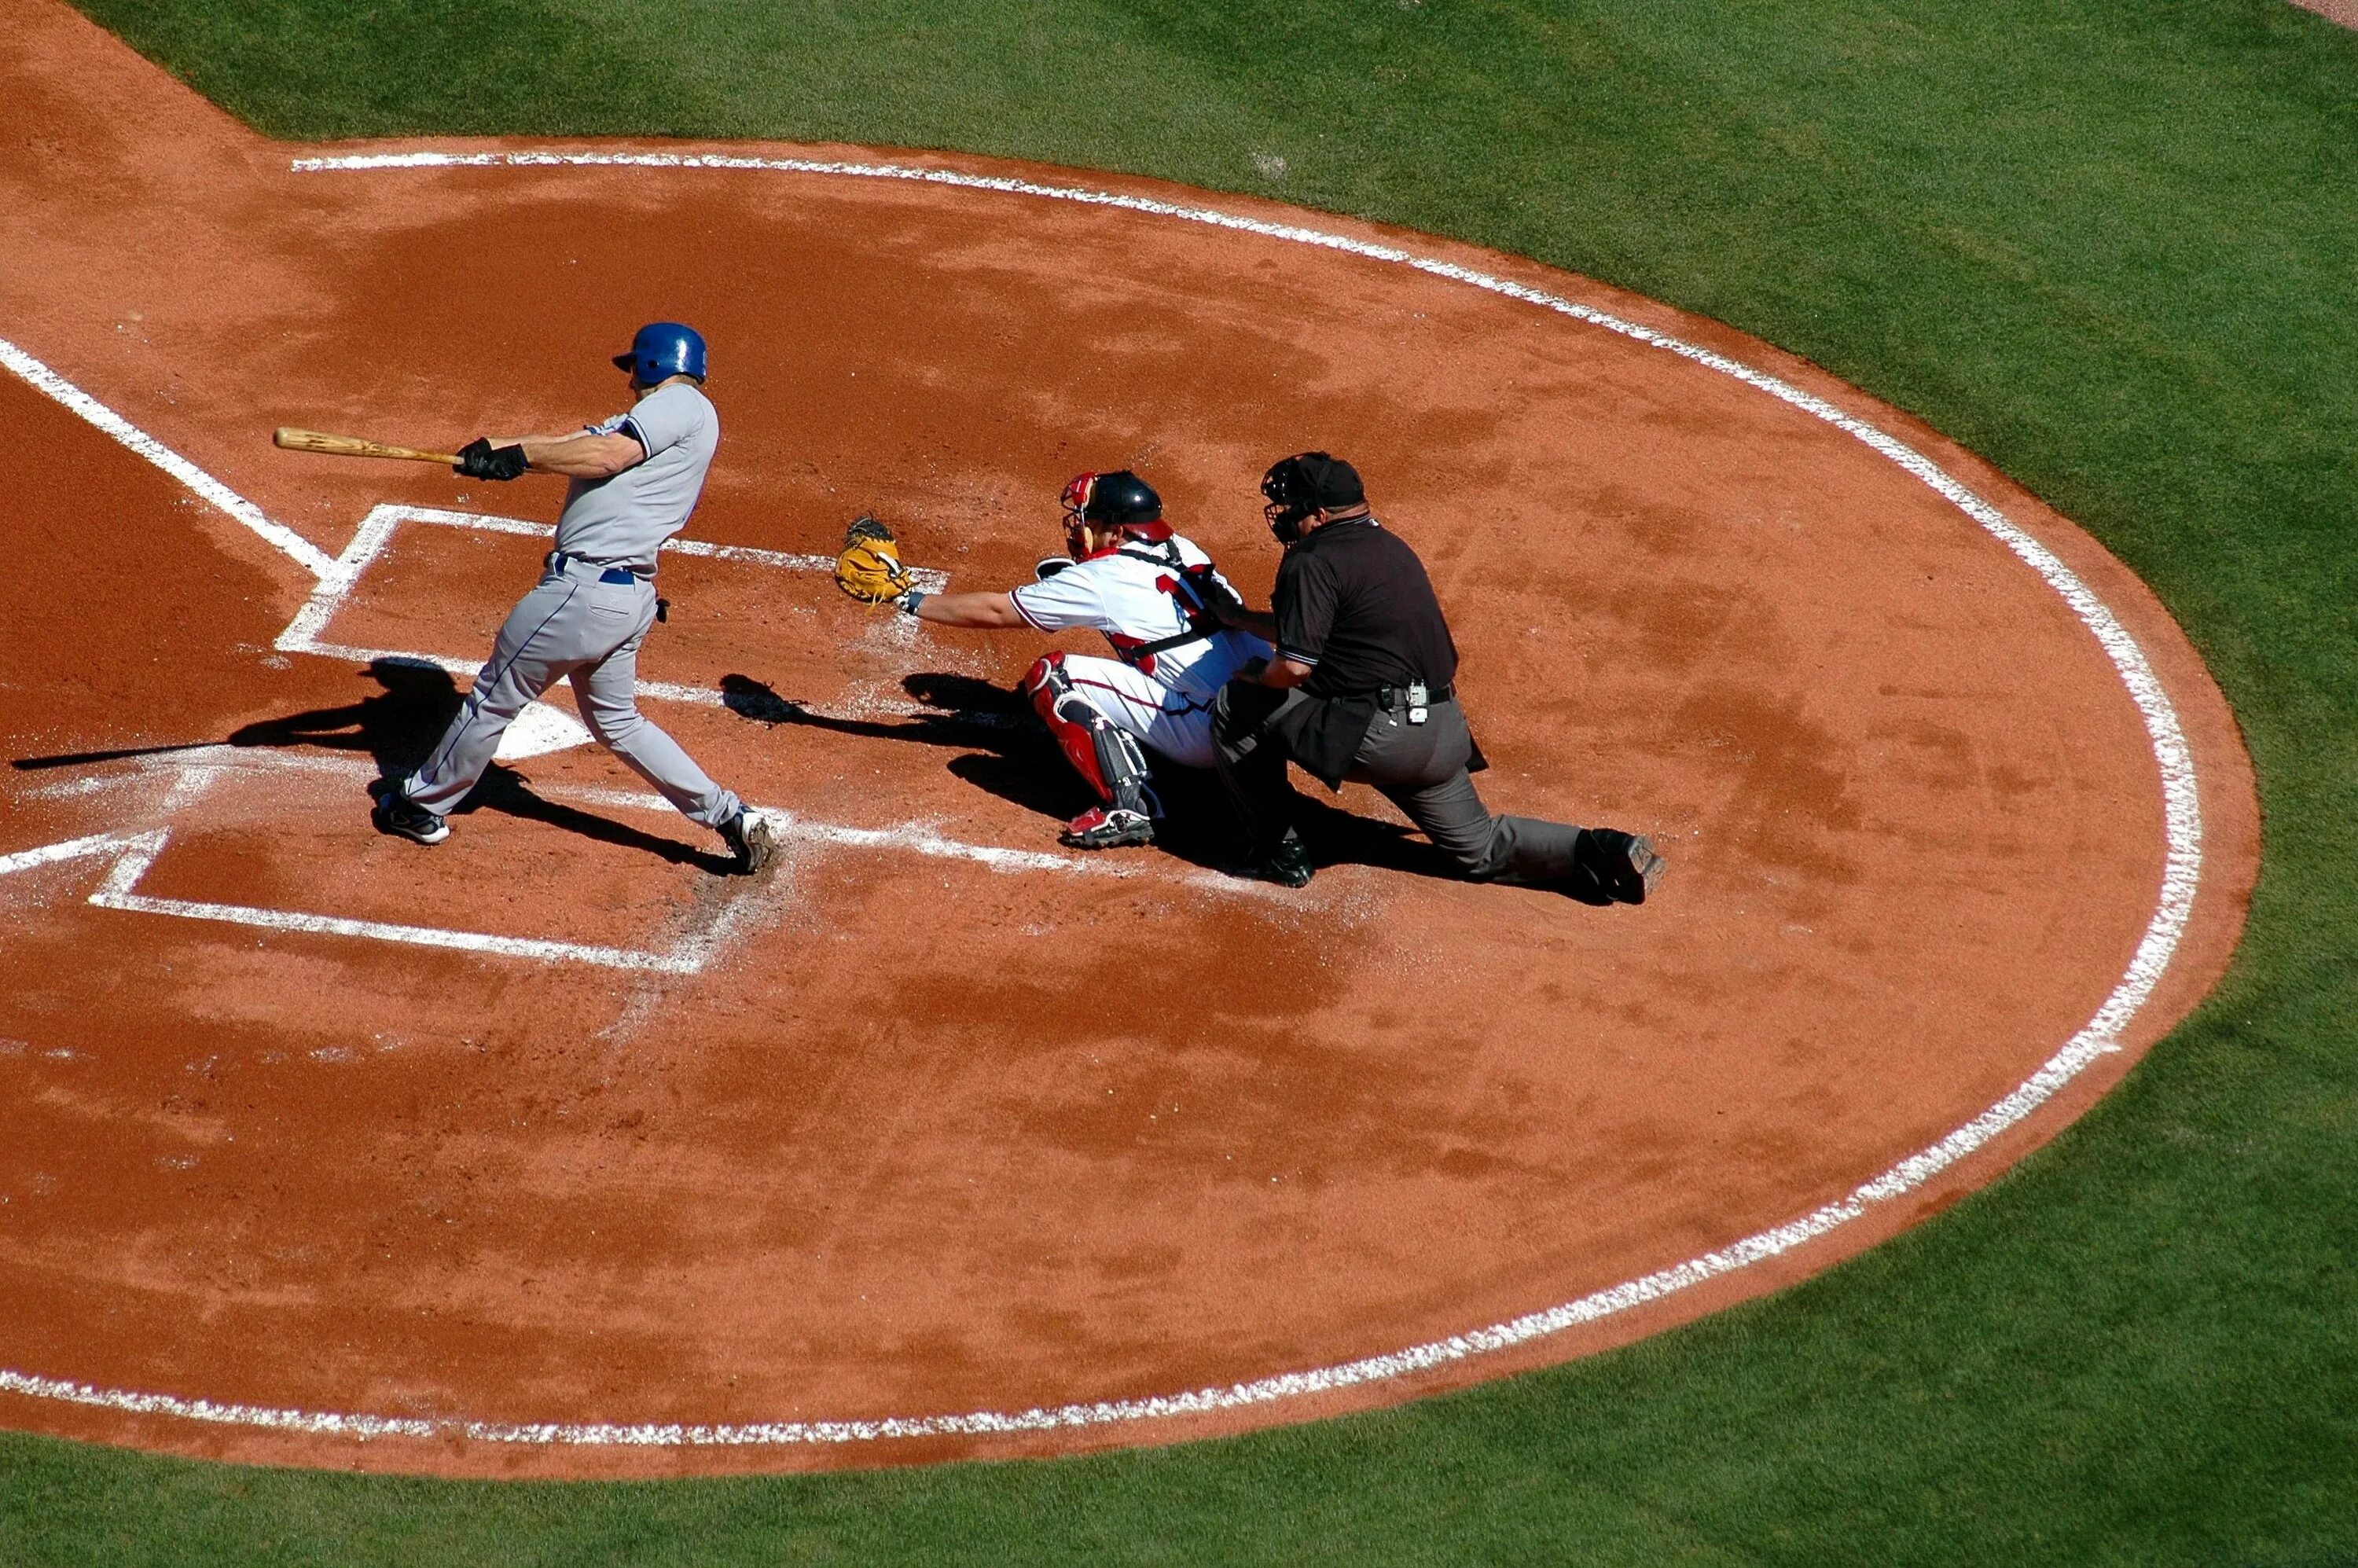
x: 1304, y: 483
x: 1119, y: 502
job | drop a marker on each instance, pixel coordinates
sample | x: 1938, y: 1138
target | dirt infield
x: 548, y: 1151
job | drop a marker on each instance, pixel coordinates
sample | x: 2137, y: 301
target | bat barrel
x: 295, y: 440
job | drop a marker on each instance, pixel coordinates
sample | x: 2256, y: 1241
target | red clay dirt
x: 1112, y: 1128
x: 2342, y: 11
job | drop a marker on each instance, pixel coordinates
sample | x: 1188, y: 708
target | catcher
x: 1151, y: 591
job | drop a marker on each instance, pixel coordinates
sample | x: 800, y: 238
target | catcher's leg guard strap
x: 1121, y: 762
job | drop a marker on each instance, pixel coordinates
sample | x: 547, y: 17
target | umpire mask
x: 1304, y: 483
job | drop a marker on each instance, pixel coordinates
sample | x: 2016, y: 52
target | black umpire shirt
x: 1353, y: 602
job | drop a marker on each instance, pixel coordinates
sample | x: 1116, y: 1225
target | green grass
x: 2114, y: 246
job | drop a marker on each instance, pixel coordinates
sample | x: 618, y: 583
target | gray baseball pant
x: 1421, y: 768
x: 573, y: 625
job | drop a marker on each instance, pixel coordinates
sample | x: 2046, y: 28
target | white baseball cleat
x: 751, y: 840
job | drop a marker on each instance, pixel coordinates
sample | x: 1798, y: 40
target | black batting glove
x: 479, y: 459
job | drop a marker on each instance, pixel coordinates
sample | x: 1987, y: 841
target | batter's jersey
x: 622, y: 521
x: 1133, y: 596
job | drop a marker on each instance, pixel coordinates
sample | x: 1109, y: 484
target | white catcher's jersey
x: 1132, y: 595
x: 622, y: 521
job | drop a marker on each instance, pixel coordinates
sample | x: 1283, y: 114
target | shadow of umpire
x: 1008, y: 751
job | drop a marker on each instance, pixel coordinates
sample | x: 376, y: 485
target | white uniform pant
x: 1172, y: 724
x: 571, y: 626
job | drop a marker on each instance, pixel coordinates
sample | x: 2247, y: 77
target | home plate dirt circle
x: 945, y: 1142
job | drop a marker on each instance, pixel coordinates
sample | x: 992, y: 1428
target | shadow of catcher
x: 1010, y: 754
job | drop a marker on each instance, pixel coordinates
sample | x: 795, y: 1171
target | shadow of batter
x: 397, y: 726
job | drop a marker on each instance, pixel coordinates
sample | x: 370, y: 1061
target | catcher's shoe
x: 397, y: 815
x: 1107, y: 827
x: 1288, y: 865
x: 749, y: 840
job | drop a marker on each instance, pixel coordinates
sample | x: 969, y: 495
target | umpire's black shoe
x: 749, y: 840
x: 1288, y: 865
x: 403, y: 817
x: 1635, y: 869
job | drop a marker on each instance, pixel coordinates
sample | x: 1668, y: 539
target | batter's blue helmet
x: 663, y: 349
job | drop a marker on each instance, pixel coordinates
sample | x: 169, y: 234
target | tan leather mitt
x: 869, y: 567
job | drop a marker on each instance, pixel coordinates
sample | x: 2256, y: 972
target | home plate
x: 538, y: 731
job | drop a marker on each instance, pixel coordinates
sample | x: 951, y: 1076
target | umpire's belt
x: 1393, y: 699
x: 559, y: 561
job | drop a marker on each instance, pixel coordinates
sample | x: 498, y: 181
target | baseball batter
x: 635, y: 480
x: 1149, y: 589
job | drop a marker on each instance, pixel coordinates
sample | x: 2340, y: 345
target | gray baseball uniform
x: 585, y: 620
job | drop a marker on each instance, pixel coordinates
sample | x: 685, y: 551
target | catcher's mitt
x: 869, y: 568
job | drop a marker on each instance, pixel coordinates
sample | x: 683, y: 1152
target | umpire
x: 1359, y: 687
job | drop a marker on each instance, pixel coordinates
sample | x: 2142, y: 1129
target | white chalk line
x: 135, y: 854
x: 339, y: 575
x: 916, y: 837
x: 139, y: 853
x: 285, y: 540
x: 56, y: 854
x: 2182, y: 830
x: 305, y: 634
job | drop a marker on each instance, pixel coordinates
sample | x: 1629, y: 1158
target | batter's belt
x: 559, y: 561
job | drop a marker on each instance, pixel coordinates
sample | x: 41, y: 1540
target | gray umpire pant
x: 573, y: 625
x: 1421, y: 768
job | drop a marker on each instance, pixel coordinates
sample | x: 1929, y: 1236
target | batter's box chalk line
x: 2182, y: 830
x: 540, y: 729
x: 134, y: 853
x: 545, y: 728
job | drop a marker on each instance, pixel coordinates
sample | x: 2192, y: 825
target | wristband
x: 909, y: 601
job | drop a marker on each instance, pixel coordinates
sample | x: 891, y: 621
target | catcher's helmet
x: 1113, y: 500
x: 1119, y: 500
x: 661, y: 349
x: 1307, y: 483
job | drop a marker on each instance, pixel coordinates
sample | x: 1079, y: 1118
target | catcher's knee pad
x: 1045, y: 681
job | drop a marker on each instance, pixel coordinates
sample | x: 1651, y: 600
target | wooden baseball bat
x: 296, y: 441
